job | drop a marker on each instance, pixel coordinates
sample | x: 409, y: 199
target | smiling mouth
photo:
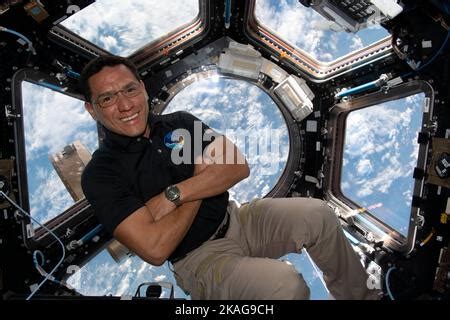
x: 134, y: 116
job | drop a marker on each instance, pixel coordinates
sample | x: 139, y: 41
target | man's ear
x: 90, y: 108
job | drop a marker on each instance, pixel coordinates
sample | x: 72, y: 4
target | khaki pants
x: 244, y: 265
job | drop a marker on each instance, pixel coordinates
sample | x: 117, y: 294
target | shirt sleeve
x: 108, y: 194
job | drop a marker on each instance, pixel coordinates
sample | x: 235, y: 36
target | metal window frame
x: 179, y: 38
x: 315, y: 70
x: 76, y: 212
x: 373, y: 229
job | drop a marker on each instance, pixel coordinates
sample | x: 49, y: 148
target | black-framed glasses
x: 110, y: 98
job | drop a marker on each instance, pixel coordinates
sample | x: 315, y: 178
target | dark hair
x: 97, y: 64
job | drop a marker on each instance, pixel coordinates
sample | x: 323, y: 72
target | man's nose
x: 123, y: 103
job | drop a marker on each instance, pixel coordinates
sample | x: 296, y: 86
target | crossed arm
x: 155, y: 230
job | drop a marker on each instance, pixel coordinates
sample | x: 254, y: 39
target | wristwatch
x: 172, y: 194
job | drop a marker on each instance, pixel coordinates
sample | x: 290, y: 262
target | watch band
x: 177, y: 201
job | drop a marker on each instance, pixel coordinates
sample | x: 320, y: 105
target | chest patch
x: 173, y: 140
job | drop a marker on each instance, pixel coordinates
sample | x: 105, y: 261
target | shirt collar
x: 130, y: 144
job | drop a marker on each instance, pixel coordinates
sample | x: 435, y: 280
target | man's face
x: 126, y: 115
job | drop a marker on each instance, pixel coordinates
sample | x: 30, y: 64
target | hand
x: 159, y: 206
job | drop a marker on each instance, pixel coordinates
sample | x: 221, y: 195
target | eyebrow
x: 106, y: 93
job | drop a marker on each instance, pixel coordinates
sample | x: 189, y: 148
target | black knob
x: 153, y: 291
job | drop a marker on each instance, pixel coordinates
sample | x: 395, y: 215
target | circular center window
x: 248, y: 116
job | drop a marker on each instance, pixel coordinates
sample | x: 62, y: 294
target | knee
x: 325, y: 214
x: 290, y: 284
x: 322, y: 222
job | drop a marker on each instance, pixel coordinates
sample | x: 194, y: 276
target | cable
x: 49, y: 231
x: 90, y: 234
x: 227, y: 13
x: 319, y: 273
x: 386, y: 280
x: 364, y: 87
x: 39, y: 266
x: 30, y: 44
x: 52, y: 86
x: 428, y: 238
x: 35, y: 257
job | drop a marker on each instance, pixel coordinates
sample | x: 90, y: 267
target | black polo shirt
x: 126, y: 172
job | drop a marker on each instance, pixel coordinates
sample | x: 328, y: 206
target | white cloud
x: 125, y: 265
x: 407, y: 194
x: 110, y: 43
x: 160, y: 277
x: 292, y: 22
x: 380, y: 146
x: 382, y: 180
x: 106, y: 277
x: 125, y: 26
x: 365, y: 190
x: 309, y: 31
x: 52, y: 120
x: 41, y: 173
x: 102, y: 276
x: 124, y: 284
x: 143, y: 269
x: 364, y: 167
x: 345, y: 185
x: 365, y: 129
x: 50, y: 197
x: 89, y: 139
x: 357, y: 43
x: 414, y: 152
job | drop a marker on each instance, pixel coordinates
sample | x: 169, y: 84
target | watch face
x: 173, y: 193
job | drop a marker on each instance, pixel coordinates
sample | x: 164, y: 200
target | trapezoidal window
x: 380, y: 154
x: 312, y: 33
x: 55, y: 126
x: 103, y: 276
x: 123, y: 27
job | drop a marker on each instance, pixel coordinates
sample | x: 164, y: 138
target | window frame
x: 179, y: 38
x: 298, y: 59
x: 78, y: 212
x: 368, y: 225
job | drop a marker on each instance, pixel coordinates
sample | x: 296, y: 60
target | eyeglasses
x: 108, y: 99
